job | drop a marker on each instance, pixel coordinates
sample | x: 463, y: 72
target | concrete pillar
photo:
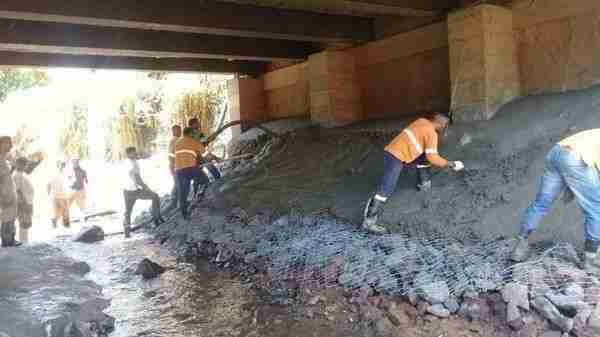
x: 246, y: 101
x: 483, y: 61
x: 334, y: 89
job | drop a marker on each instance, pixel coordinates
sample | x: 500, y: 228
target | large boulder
x: 149, y: 269
x: 90, y: 235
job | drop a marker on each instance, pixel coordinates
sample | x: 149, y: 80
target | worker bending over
x: 188, y: 153
x: 571, y: 167
x: 413, y: 147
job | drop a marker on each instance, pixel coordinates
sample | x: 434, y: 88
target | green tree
x: 74, y: 136
x: 204, y: 103
x: 12, y: 80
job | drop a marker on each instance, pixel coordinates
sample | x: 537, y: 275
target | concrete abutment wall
x: 478, y: 60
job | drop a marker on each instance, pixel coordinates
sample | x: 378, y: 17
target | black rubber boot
x: 592, y: 257
x: 371, y: 215
x: 8, y: 232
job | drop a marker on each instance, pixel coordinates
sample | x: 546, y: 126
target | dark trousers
x: 7, y: 233
x: 392, y: 167
x: 132, y: 196
x: 174, y: 192
x: 213, y: 171
x: 184, y: 178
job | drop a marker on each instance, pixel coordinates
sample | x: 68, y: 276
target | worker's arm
x: 139, y: 181
x: 431, y: 151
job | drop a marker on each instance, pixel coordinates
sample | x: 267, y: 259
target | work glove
x: 456, y: 165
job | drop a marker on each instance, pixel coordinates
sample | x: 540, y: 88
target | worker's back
x: 412, y: 141
x: 187, y: 152
x: 586, y: 144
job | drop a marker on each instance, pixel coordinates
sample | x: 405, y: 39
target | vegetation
x: 205, y: 104
x: 138, y: 123
x: 12, y: 80
x: 74, y: 136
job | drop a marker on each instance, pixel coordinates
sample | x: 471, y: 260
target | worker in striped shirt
x: 415, y: 147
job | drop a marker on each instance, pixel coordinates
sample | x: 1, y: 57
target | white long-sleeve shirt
x: 23, y: 185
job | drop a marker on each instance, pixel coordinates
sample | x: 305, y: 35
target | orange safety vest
x: 187, y: 152
x: 418, y: 138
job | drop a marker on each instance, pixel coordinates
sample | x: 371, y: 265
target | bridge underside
x: 190, y: 35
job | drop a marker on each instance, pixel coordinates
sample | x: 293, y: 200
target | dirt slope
x: 338, y: 169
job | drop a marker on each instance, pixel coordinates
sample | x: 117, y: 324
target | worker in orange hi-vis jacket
x: 415, y: 146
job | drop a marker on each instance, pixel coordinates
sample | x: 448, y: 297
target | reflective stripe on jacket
x: 418, y: 138
x: 187, y: 151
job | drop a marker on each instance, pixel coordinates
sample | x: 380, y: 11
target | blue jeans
x: 184, y: 178
x: 392, y: 167
x: 565, y: 169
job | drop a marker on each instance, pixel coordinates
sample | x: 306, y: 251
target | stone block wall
x: 483, y: 61
x: 286, y: 92
x: 480, y: 59
x: 406, y: 74
x: 558, y: 44
x: 334, y: 90
x: 246, y: 99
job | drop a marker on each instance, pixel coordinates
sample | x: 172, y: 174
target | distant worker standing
x: 25, y: 194
x: 136, y: 189
x: 413, y: 147
x: 79, y: 182
x: 60, y: 201
x: 176, y: 130
x: 8, y: 196
x: 571, y: 167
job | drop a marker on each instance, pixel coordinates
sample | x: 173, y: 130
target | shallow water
x: 182, y: 302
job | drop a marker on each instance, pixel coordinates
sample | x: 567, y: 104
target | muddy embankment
x: 287, y: 220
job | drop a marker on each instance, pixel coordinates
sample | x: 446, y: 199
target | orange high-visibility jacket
x: 418, y: 138
x: 187, y: 151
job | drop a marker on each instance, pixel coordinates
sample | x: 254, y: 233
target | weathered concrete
x: 51, y: 37
x: 21, y: 59
x: 334, y: 88
x: 246, y: 101
x: 405, y: 74
x: 203, y: 17
x: 287, y: 92
x: 483, y: 61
